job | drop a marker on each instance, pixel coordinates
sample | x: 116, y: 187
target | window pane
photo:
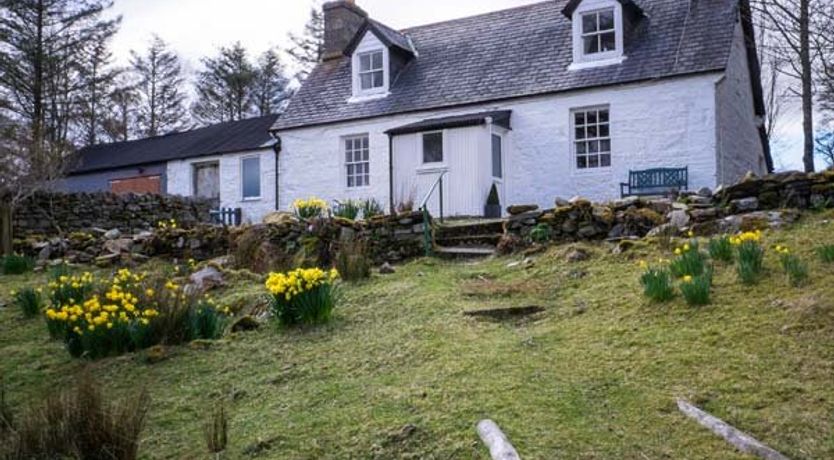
x: 592, y: 131
x: 365, y: 142
x: 580, y: 133
x: 591, y: 45
x: 367, y: 80
x: 589, y: 23
x: 593, y: 161
x: 251, y: 177
x: 608, y: 42
x: 606, y: 20
x: 603, y: 131
x: 377, y: 60
x: 433, y: 148
x: 593, y: 147
x: 592, y: 117
x: 581, y: 148
x: 605, y: 146
x: 496, y: 156
x: 603, y: 116
x: 582, y: 162
x: 378, y: 79
x: 365, y: 62
x: 605, y: 160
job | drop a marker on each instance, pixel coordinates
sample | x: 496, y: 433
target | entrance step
x: 468, y: 238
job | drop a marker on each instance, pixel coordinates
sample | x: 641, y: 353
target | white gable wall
x: 181, y: 182
x: 666, y: 123
x: 740, y: 147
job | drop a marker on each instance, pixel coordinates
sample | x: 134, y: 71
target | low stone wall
x: 753, y: 203
x: 50, y: 214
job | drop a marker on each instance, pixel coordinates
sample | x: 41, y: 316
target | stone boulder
x: 521, y: 209
x: 207, y: 279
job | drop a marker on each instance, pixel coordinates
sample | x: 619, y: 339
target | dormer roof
x: 628, y: 5
x: 390, y: 37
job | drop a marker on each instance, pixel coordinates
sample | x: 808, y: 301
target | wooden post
x: 740, y: 440
x: 497, y: 442
x: 5, y: 228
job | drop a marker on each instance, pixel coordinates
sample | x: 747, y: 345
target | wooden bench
x: 657, y: 181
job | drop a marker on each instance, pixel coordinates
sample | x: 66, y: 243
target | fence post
x: 5, y: 228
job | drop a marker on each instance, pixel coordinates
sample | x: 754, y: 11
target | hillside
x: 402, y: 373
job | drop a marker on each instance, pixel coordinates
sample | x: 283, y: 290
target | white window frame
x: 368, y: 45
x: 243, y: 196
x: 430, y: 164
x: 345, y: 164
x: 574, y: 141
x: 582, y: 60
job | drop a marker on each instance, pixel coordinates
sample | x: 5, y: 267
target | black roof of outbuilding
x: 230, y: 137
x: 520, y: 52
x: 499, y: 117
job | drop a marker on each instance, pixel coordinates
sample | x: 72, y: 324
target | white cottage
x: 554, y: 99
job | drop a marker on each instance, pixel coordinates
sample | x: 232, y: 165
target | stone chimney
x: 342, y: 20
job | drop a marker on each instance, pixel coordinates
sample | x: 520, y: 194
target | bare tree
x: 308, y: 47
x: 161, y: 107
x: 795, y: 47
x: 825, y: 148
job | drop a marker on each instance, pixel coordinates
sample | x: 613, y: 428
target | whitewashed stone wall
x: 668, y: 123
x: 740, y: 148
x: 181, y: 182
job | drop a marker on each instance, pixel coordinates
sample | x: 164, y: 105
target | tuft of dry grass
x: 216, y: 431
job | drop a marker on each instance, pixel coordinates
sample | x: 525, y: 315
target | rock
x: 587, y: 231
x: 280, y: 218
x: 107, y: 260
x: 155, y: 354
x: 45, y: 253
x: 622, y: 246
x: 118, y: 246
x: 387, y: 269
x: 577, y: 255
x: 626, y: 202
x: 245, y: 324
x: 745, y: 204
x: 700, y: 215
x: 705, y: 192
x: 661, y: 206
x: 664, y: 230
x: 680, y: 206
x: 679, y: 219
x: 579, y: 201
x: 700, y: 201
x: 113, y: 234
x: 561, y: 202
x: 207, y: 279
x: 521, y: 209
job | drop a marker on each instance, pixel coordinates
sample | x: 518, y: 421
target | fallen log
x: 740, y: 440
x: 497, y: 442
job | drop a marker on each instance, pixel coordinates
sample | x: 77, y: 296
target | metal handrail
x: 425, y: 208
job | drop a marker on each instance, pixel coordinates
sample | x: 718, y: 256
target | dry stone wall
x: 52, y: 214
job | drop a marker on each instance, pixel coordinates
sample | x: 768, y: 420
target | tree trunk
x: 5, y: 228
x: 807, y: 82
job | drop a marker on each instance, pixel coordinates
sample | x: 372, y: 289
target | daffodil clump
x: 166, y: 224
x: 749, y: 256
x: 128, y: 312
x: 29, y: 301
x: 311, y: 208
x: 303, y: 296
x: 795, y: 269
x: 696, y: 289
x: 689, y: 260
x: 657, y: 281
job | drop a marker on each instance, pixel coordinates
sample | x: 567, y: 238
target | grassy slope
x: 593, y: 377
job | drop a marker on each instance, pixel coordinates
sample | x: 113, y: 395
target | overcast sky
x: 196, y: 28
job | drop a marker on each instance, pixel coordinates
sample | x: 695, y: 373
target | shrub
x: 127, y: 313
x: 541, y: 233
x: 696, y: 289
x: 721, y: 249
x: 303, y: 296
x: 79, y: 423
x: 750, y: 256
x: 311, y: 208
x: 689, y: 260
x: 795, y: 269
x: 347, y: 209
x: 371, y: 208
x: 826, y: 253
x: 352, y: 261
x: 657, y: 283
x: 15, y: 264
x: 29, y: 301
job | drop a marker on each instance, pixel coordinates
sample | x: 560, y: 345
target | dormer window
x: 597, y: 33
x: 371, y: 70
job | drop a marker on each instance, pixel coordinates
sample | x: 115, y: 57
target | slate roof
x: 499, y: 117
x: 520, y: 52
x: 230, y: 137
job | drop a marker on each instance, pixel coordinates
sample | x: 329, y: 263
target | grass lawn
x: 593, y: 377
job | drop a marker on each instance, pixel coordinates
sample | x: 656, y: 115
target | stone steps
x: 477, y: 238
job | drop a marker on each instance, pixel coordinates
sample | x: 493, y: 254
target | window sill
x: 368, y: 97
x: 590, y: 64
x: 430, y: 168
x: 251, y: 200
